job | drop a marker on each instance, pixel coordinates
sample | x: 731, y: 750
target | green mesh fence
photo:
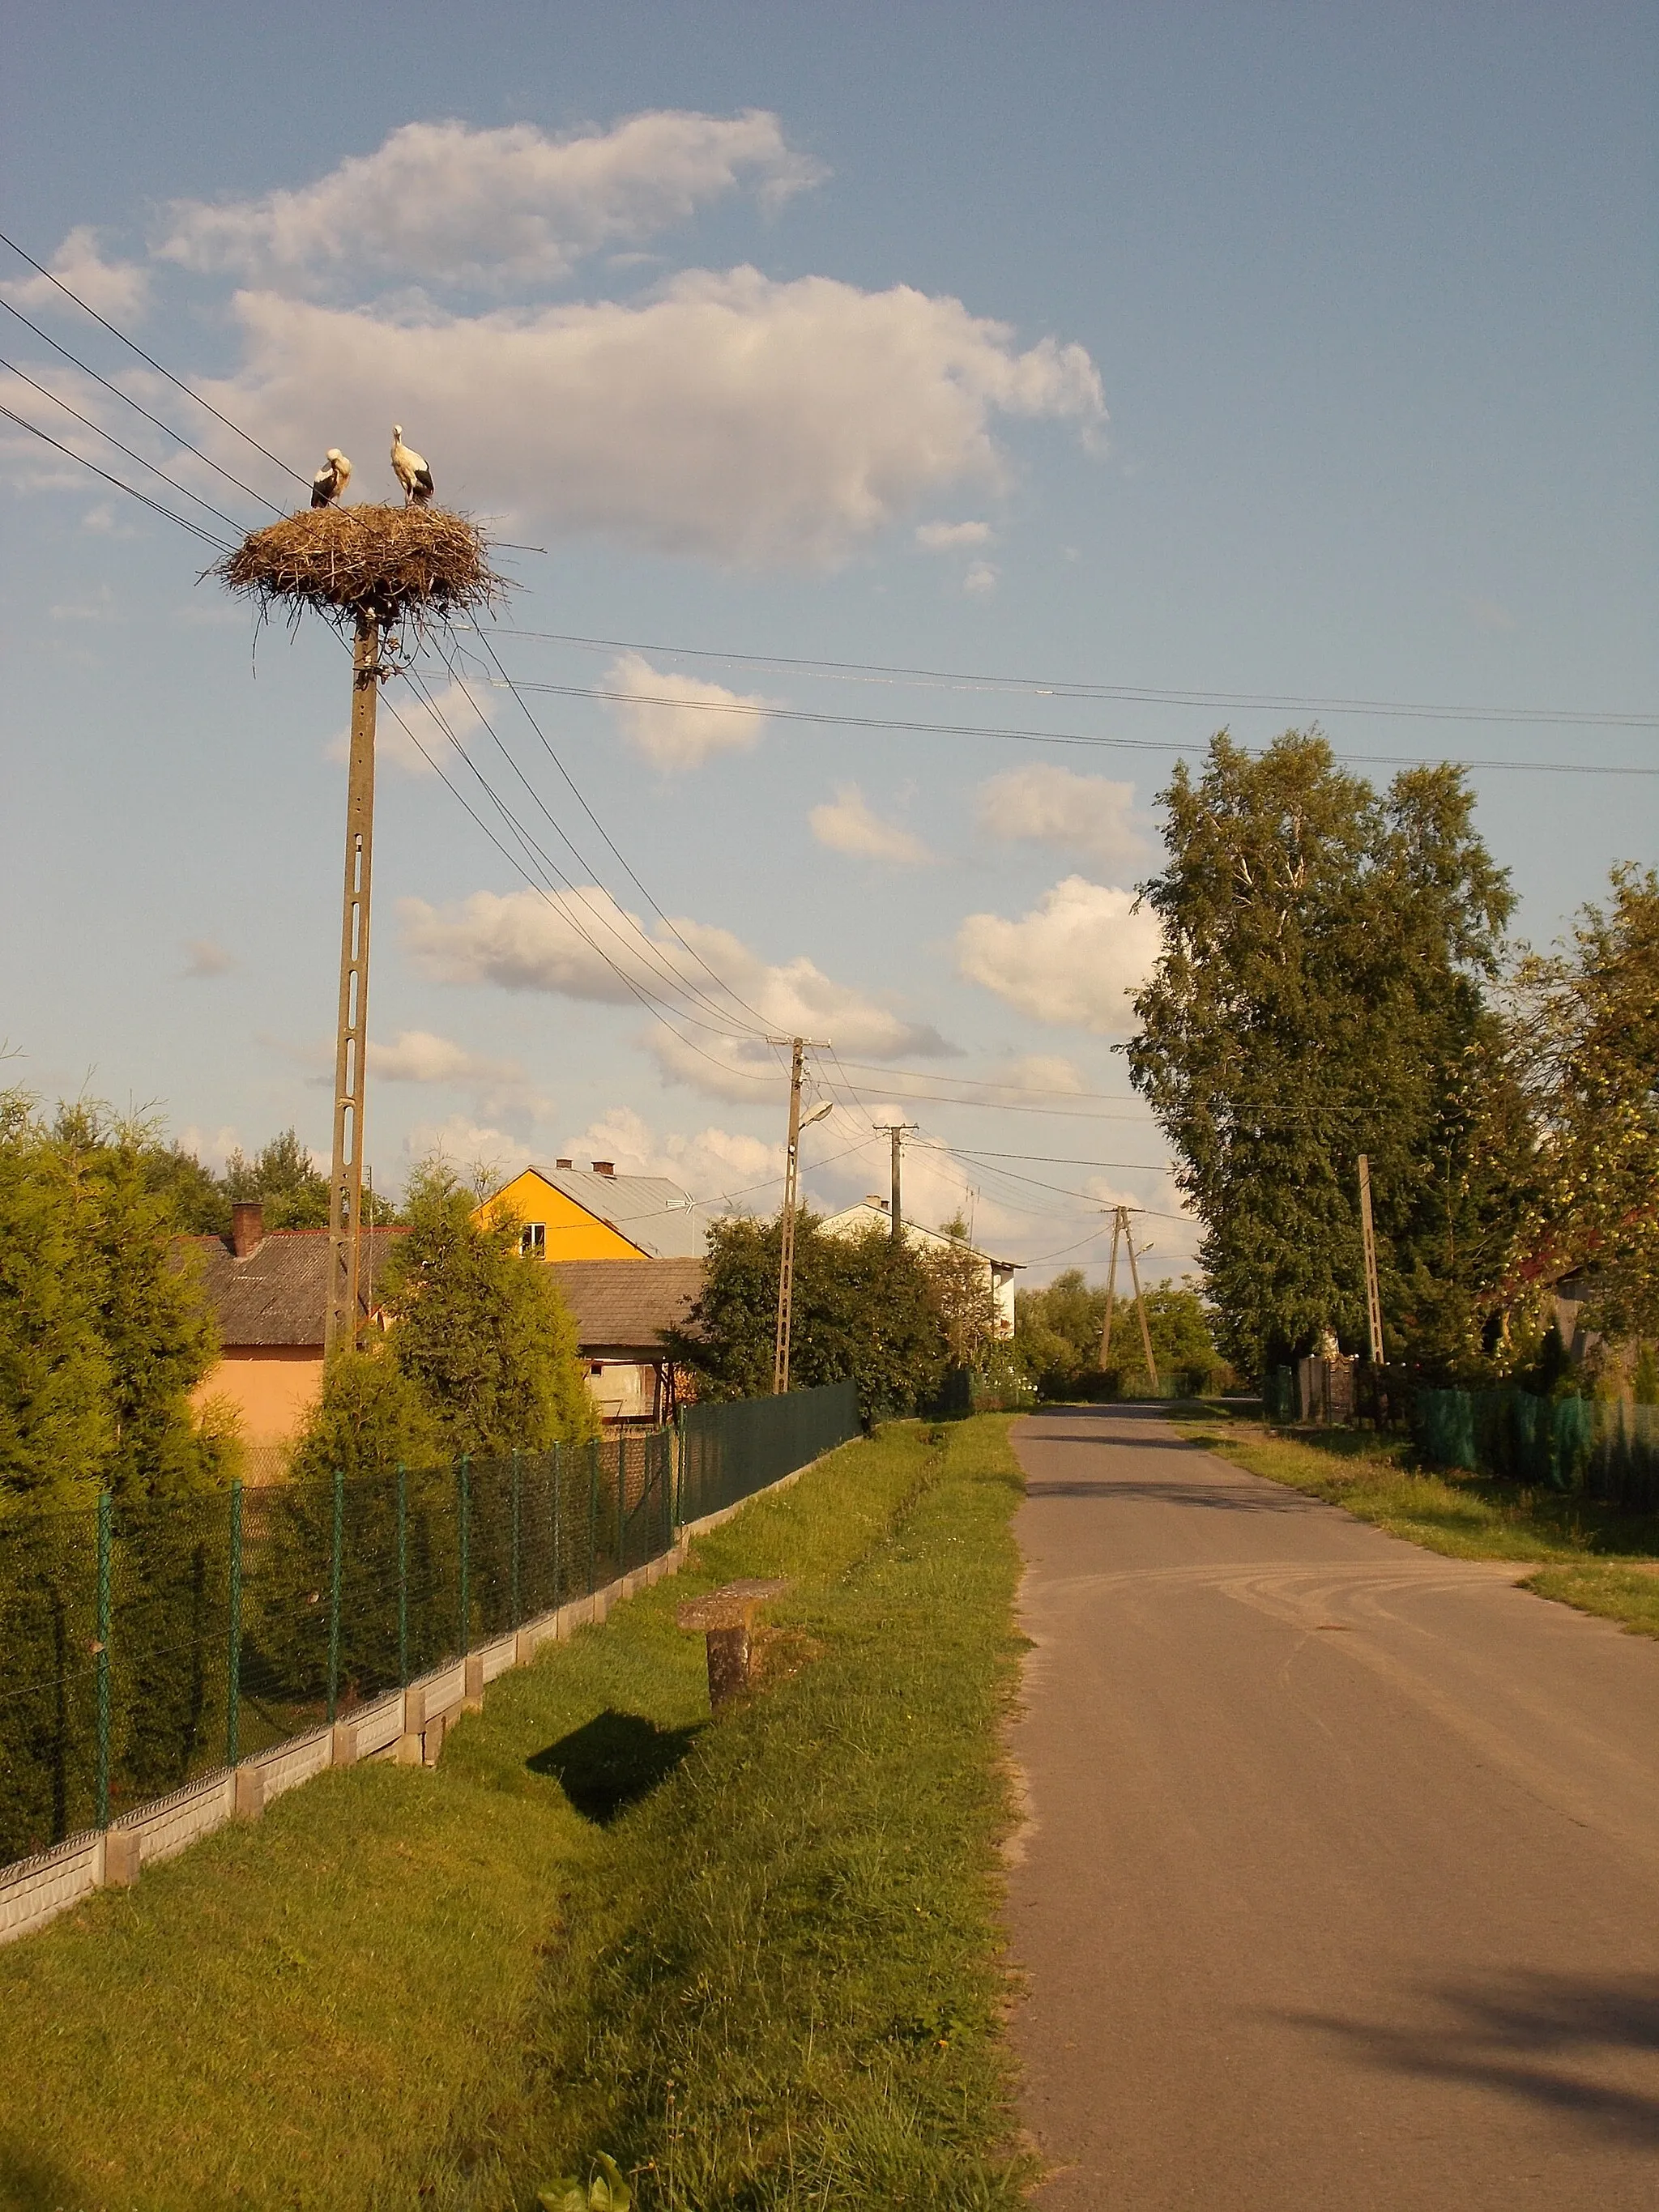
x: 145, y: 1645
x: 1279, y: 1398
x: 730, y: 1451
x: 1607, y: 1449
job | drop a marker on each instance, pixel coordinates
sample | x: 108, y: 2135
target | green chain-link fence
x: 144, y: 1645
x: 1607, y: 1449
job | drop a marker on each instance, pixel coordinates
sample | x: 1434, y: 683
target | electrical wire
x: 134, y: 347
x: 1007, y: 735
x: 195, y: 528
x: 126, y: 399
x: 98, y: 430
x: 1125, y: 694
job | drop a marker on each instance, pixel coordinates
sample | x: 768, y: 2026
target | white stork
x: 413, y: 473
x: 331, y: 479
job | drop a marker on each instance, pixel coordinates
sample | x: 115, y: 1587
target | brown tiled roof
x: 279, y: 1293
x: 624, y: 1305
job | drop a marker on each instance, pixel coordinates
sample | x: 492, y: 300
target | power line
x: 1126, y: 694
x: 134, y: 347
x: 98, y: 430
x: 195, y: 528
x: 126, y: 399
x: 1038, y: 737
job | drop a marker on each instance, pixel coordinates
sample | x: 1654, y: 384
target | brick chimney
x: 563, y: 1164
x: 604, y: 1167
x: 247, y: 1226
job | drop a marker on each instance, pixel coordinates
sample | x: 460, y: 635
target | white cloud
x: 951, y: 537
x: 419, y: 1056
x: 681, y: 722
x: 459, y: 710
x: 980, y: 579
x: 98, y: 606
x: 1074, y: 960
x: 440, y: 202
x: 1086, y: 815
x: 1042, y: 1071
x: 566, y: 944
x: 846, y: 824
x: 119, y: 289
x: 473, y: 1144
x: 711, y: 1164
x: 203, y: 958
x: 728, y: 416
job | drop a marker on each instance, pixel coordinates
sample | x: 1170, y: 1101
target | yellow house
x: 568, y: 1212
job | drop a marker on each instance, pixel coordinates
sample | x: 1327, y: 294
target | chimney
x: 247, y: 1226
x: 562, y: 1164
x: 604, y: 1167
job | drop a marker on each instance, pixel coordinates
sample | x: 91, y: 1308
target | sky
x: 850, y: 367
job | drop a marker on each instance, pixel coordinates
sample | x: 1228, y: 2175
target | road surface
x: 1341, y: 1885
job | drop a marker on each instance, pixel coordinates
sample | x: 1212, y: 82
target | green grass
x: 755, y: 1958
x: 1589, y: 1555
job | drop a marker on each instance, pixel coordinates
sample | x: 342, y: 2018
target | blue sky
x: 1300, y: 352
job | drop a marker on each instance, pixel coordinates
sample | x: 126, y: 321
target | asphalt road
x: 1341, y: 1885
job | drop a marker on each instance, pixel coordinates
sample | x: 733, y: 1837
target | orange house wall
x: 573, y: 1233
x: 273, y: 1388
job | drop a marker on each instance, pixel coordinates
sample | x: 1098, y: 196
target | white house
x: 873, y: 1212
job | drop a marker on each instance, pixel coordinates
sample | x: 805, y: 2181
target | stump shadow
x: 611, y: 1761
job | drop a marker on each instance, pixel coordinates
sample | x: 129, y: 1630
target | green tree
x: 963, y: 1295
x: 369, y: 1420
x: 1320, y: 992
x: 1585, y: 1026
x: 481, y: 1331
x: 197, y: 1202
x: 863, y: 1307
x: 281, y: 1175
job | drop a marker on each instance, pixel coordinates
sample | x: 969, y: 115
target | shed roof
x: 626, y: 1304
x: 279, y: 1294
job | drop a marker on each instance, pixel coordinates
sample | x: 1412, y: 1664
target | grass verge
x: 757, y: 1958
x: 1588, y: 1555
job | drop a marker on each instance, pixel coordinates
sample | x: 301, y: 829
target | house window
x: 533, y: 1240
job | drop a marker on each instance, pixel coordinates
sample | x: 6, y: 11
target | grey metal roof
x: 650, y: 1211
x: 624, y: 1305
x: 279, y: 1294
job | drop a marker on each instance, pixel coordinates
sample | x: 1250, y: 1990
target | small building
x: 623, y: 1309
x: 876, y: 1213
x: 568, y: 1212
x: 268, y: 1289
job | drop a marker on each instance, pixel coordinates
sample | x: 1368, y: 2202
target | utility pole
x: 799, y: 1047
x: 1120, y: 1232
x: 1373, y: 1295
x: 898, y: 1131
x: 1111, y: 1287
x: 345, y: 1186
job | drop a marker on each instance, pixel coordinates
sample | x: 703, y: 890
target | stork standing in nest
x: 412, y: 472
x: 331, y: 479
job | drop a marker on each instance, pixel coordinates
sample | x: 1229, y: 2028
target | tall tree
x: 282, y: 1175
x: 1321, y: 994
x: 481, y: 1331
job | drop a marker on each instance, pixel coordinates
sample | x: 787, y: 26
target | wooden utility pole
x: 1111, y: 1287
x: 1120, y: 1232
x: 345, y: 1186
x: 898, y: 1131
x: 786, y: 1219
x: 1373, y: 1295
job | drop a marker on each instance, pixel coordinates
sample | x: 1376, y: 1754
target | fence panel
x: 733, y: 1448
x: 1605, y: 1449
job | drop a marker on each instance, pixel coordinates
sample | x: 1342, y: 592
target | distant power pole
x: 1120, y: 1232
x: 898, y: 1131
x: 1111, y: 1287
x: 1373, y: 1295
x: 345, y: 1184
x: 787, y: 1221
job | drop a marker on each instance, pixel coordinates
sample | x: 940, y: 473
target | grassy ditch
x: 1588, y: 1555
x: 755, y: 1960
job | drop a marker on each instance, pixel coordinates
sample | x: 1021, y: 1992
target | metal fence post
x: 102, y: 1815
x: 621, y: 1502
x: 233, y: 1660
x: 334, y: 1594
x: 593, y: 1516
x: 403, y: 1576
x: 558, y: 1515
x: 464, y: 1480
x: 518, y: 1614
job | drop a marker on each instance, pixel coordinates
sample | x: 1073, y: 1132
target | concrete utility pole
x: 345, y: 1186
x: 1120, y: 1232
x: 798, y: 1047
x: 1373, y: 1295
x: 899, y: 1131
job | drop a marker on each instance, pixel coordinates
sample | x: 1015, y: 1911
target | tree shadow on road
x: 1560, y: 2042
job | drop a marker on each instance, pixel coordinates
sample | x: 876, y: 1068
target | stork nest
x: 387, y: 563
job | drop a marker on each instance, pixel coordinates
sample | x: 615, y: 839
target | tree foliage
x: 1058, y: 1331
x: 480, y: 1331
x: 369, y: 1418
x: 863, y: 1306
x: 1320, y: 992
